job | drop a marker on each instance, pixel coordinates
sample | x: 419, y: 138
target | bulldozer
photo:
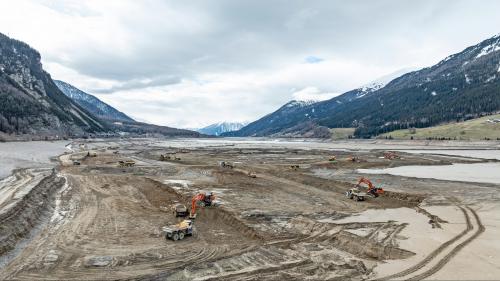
x: 372, y: 190
x: 202, y: 199
x: 178, y: 231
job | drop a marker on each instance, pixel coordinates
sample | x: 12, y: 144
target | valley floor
x: 99, y: 221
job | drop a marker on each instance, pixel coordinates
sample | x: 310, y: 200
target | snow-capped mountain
x: 91, y: 103
x: 461, y: 86
x: 222, y: 127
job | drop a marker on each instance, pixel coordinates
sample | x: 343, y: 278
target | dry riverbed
x: 99, y: 221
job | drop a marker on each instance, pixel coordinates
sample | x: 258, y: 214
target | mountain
x: 31, y: 104
x: 118, y: 121
x: 462, y: 86
x: 91, y: 103
x: 221, y: 127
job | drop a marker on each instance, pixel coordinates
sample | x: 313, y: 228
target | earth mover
x: 180, y: 210
x: 126, y: 163
x: 178, y: 231
x: 355, y: 194
x: 224, y: 164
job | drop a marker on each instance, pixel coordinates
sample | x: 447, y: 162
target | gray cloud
x: 244, y: 58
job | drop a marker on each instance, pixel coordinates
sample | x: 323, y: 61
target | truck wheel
x: 175, y: 237
x: 181, y: 235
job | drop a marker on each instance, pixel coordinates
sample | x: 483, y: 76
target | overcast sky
x: 193, y: 63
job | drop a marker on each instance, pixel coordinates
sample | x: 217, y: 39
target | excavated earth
x: 99, y: 221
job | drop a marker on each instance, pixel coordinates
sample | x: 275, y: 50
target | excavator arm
x: 200, y: 197
x: 376, y: 191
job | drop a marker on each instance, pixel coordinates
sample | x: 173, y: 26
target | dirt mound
x: 410, y: 199
x: 366, y: 248
x: 17, y: 222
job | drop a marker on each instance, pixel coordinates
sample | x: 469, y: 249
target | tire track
x: 434, y: 253
x: 454, y: 251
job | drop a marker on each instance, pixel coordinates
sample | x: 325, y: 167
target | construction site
x: 214, y: 210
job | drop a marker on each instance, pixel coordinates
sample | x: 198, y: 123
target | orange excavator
x: 201, y: 199
x: 375, y: 191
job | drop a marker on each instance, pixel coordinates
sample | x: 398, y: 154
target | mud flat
x: 16, y: 155
x: 102, y: 221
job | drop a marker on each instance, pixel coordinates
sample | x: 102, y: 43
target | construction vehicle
x: 202, y: 199
x: 126, y: 163
x: 178, y: 231
x: 180, y: 210
x: 332, y: 159
x: 224, y: 164
x: 76, y: 162
x: 165, y: 157
x: 353, y: 159
x: 391, y: 155
x: 252, y: 175
x: 294, y: 167
x: 93, y: 154
x: 355, y: 194
x: 372, y: 190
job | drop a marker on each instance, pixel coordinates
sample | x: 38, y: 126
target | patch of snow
x: 300, y: 103
x: 467, y: 79
x: 454, y: 89
x: 465, y: 63
x: 498, y: 68
x: 428, y: 79
x: 490, y: 79
x: 434, y: 93
x: 489, y: 49
x: 381, y: 82
x: 339, y: 102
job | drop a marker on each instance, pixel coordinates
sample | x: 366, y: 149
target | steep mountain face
x: 30, y: 102
x: 91, y: 103
x: 222, y: 127
x: 460, y: 87
x: 117, y: 121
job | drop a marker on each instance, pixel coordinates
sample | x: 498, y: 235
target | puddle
x: 476, y: 172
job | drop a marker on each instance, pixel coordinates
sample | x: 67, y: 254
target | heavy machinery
x: 356, y: 194
x: 391, y: 155
x: 165, y: 157
x: 180, y: 210
x: 202, y: 199
x: 224, y: 164
x: 294, y: 167
x: 93, y: 154
x: 333, y: 158
x: 126, y: 163
x: 372, y: 190
x: 178, y: 231
x: 76, y: 162
x: 252, y: 175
